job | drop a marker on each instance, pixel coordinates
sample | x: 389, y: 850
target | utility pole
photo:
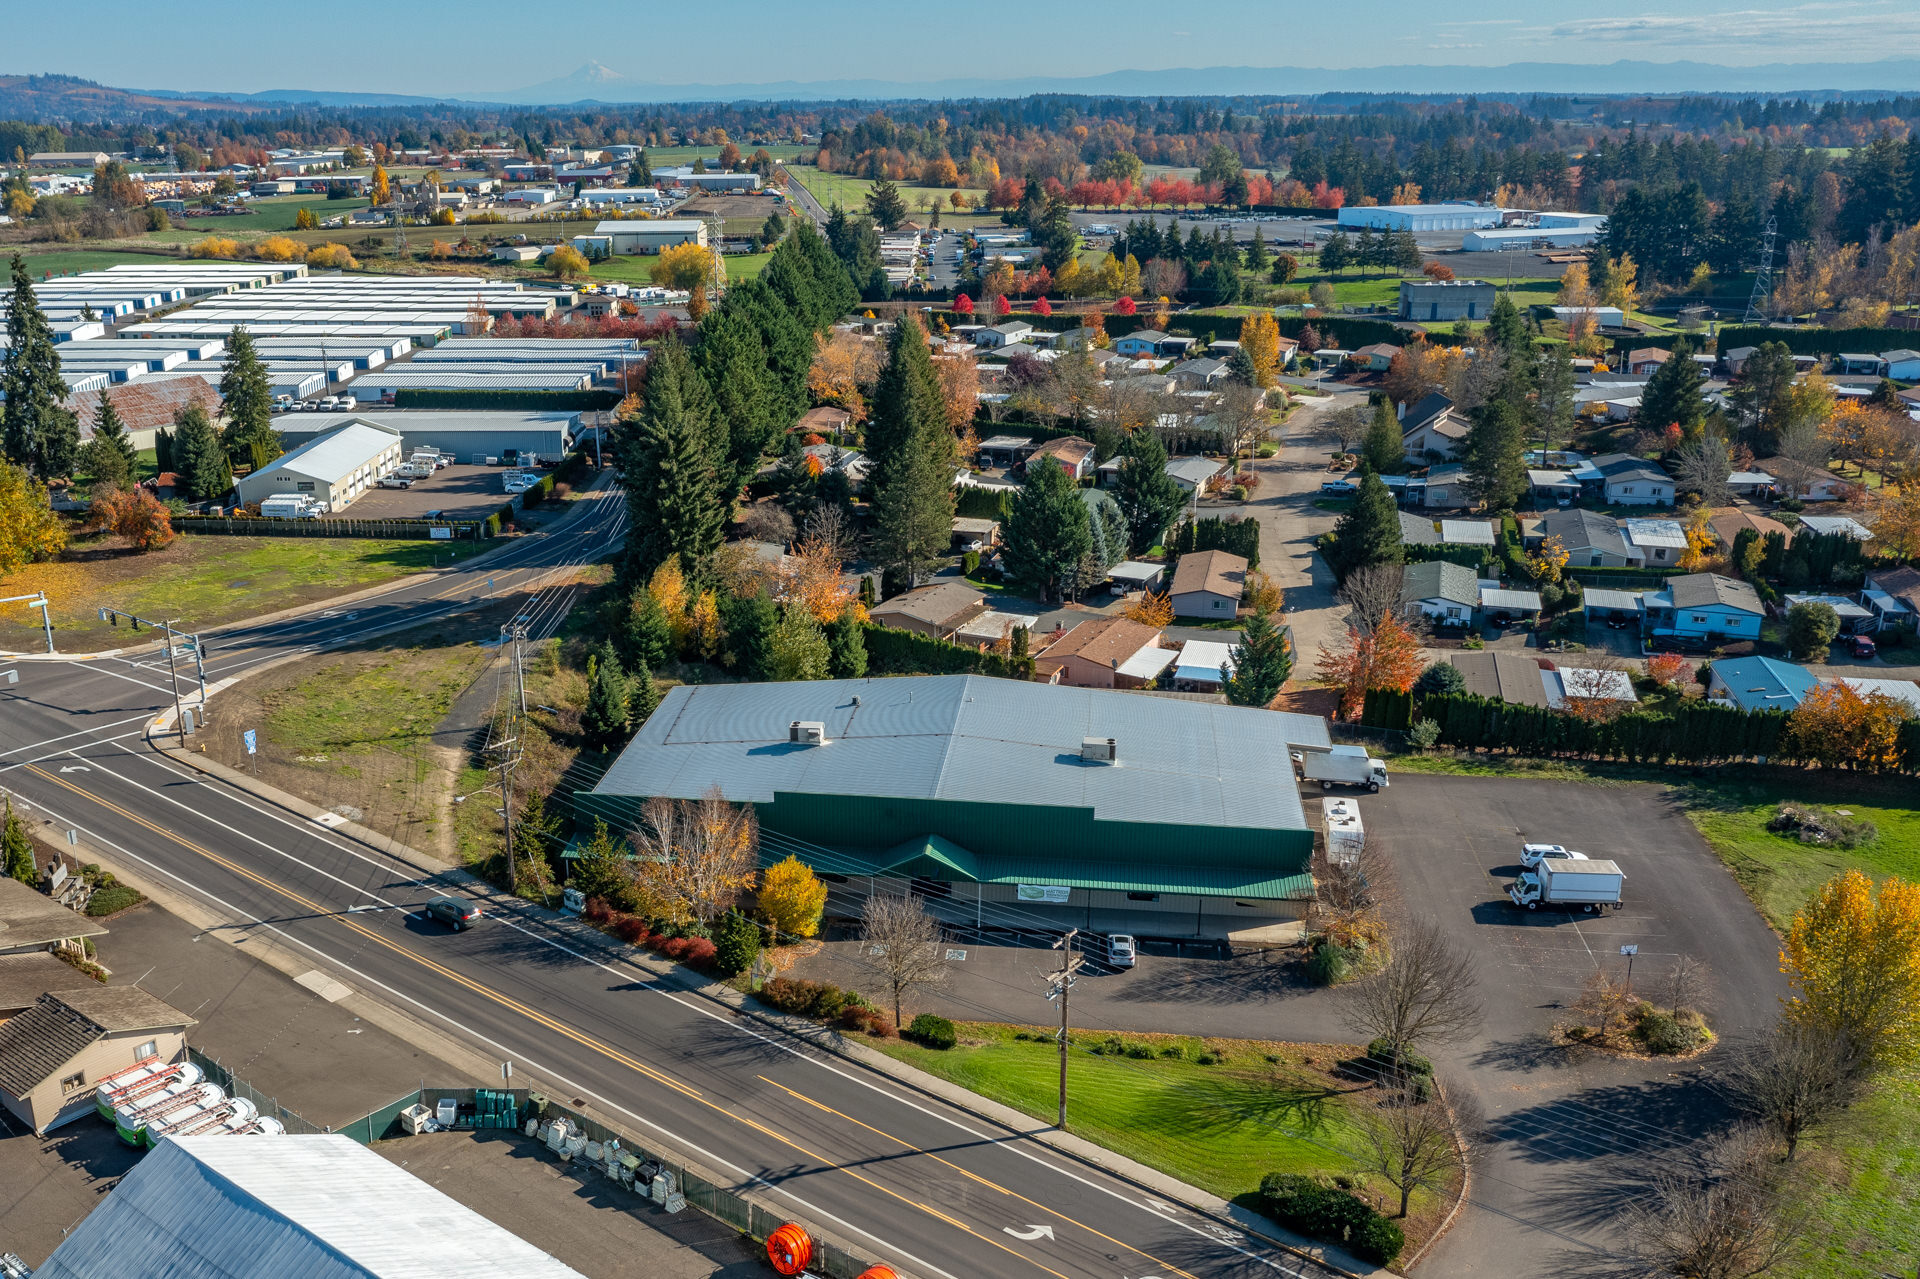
x: 516, y: 710
x: 37, y: 600
x: 179, y: 716
x: 1061, y: 984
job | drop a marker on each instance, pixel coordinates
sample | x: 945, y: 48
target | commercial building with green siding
x: 1111, y: 810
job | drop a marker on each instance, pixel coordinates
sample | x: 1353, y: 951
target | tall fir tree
x: 246, y: 393
x: 198, y: 456
x: 1553, y: 397
x: 1262, y: 661
x: 1506, y: 328
x: 1672, y: 396
x: 603, y: 721
x: 1495, y: 454
x: 847, y: 646
x: 914, y: 455
x: 110, y: 431
x: 1047, y: 535
x: 1368, y: 532
x: 1148, y: 497
x: 1382, y: 449
x: 734, y: 363
x: 35, y: 430
x: 789, y: 345
x: 672, y: 457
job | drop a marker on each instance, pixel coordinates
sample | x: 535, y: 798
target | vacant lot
x: 1260, y: 1108
x: 202, y: 581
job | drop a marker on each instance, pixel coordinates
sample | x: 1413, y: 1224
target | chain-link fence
x: 238, y: 1087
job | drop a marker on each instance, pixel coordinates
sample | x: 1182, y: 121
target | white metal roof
x: 1492, y: 598
x: 1667, y: 533
x: 1836, y: 524
x: 321, y: 1207
x: 1467, y: 532
x: 334, y: 456
x: 1202, y: 660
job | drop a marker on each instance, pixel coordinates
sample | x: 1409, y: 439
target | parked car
x: 456, y: 913
x: 1121, y: 952
x: 1532, y: 855
x: 1862, y: 646
x: 1339, y: 488
x: 395, y: 482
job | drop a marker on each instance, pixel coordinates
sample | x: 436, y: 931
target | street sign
x: 251, y: 740
x: 1629, y: 950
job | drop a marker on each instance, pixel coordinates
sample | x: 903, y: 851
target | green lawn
x: 395, y: 698
x: 201, y: 580
x: 1218, y: 1127
x: 639, y: 270
x: 68, y: 261
x: 274, y: 213
x: 850, y: 193
x: 1869, y: 1226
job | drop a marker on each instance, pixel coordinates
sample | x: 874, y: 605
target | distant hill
x: 59, y: 97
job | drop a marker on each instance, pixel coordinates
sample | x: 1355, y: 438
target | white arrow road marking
x: 1158, y: 1206
x: 75, y: 768
x: 1031, y: 1232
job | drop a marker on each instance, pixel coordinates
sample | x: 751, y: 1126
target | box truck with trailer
x: 1349, y: 765
x: 1591, y: 885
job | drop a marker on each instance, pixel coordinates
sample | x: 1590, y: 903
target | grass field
x: 850, y: 193
x: 68, y: 261
x: 203, y: 581
x: 1265, y: 1107
x: 639, y: 270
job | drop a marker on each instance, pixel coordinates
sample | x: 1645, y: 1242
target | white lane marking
x: 1031, y: 1233
x: 85, y: 732
x: 503, y: 1051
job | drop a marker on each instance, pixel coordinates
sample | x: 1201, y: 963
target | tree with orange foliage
x: 1836, y: 727
x: 844, y: 367
x: 1852, y: 957
x: 1438, y: 272
x: 1150, y: 608
x: 1669, y: 670
x: 959, y: 379
x: 1386, y: 657
x: 132, y: 515
x: 810, y: 576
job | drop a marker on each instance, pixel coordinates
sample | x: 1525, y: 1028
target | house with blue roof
x: 1758, y: 683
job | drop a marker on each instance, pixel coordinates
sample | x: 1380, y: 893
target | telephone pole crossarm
x: 1058, y: 988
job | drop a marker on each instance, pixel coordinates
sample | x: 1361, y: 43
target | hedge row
x: 1478, y: 558
x: 1812, y: 341
x: 556, y: 401
x: 892, y: 651
x: 1694, y: 734
x: 1234, y: 535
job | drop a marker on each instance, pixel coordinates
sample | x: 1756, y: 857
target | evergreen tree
x: 601, y: 869
x: 163, y: 451
x: 913, y: 454
x: 104, y: 464
x: 789, y: 346
x: 35, y: 431
x: 1506, y: 328
x: 1368, y: 532
x: 1047, y: 534
x: 197, y: 455
x: 247, y: 400
x: 846, y: 646
x: 535, y: 835
x: 671, y: 459
x: 1258, y: 259
x: 1382, y: 450
x: 1673, y: 394
x: 736, y: 943
x: 1761, y: 400
x: 735, y: 366
x: 885, y: 206
x: 837, y: 294
x: 749, y: 621
x: 603, y: 722
x: 1240, y: 368
x: 642, y: 697
x: 109, y: 430
x: 1148, y: 497
x: 1495, y: 455
x: 642, y: 629
x: 1553, y: 397
x: 1055, y: 236
x: 797, y: 648
x: 855, y: 243
x: 1262, y: 660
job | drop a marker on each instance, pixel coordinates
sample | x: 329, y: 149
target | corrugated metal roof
x: 337, y: 454
x: 973, y: 739
x: 320, y: 1207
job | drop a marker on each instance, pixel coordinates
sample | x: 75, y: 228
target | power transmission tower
x: 1762, y: 299
x: 1062, y: 983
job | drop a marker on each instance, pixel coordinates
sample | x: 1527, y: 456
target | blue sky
x: 435, y: 47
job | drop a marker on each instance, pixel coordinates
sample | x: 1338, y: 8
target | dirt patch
x: 1323, y: 702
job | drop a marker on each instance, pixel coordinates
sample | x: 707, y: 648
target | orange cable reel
x: 879, y: 1270
x: 790, y: 1248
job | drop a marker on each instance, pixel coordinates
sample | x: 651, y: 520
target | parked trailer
x: 1346, y: 836
x: 1590, y: 885
x: 1349, y: 765
x: 289, y: 506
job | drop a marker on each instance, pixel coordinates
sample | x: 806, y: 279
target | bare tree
x: 831, y: 526
x: 767, y: 522
x: 1702, y: 466
x: 1606, y: 1001
x: 1720, y: 1216
x: 1687, y: 984
x: 1347, y: 426
x: 1424, y: 996
x: 901, y: 945
x: 694, y: 857
x: 1413, y: 1141
x: 1802, y: 453
x: 1352, y: 889
x: 1599, y: 688
x: 1372, y: 593
x: 1795, y: 1080
x: 1240, y: 415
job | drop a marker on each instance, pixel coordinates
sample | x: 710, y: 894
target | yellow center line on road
x: 534, y: 1015
x: 976, y: 1177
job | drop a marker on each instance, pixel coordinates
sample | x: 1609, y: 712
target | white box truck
x: 1346, y: 836
x: 1589, y: 885
x: 1350, y: 765
x: 291, y: 506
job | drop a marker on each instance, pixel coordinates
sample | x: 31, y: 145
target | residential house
x: 1200, y: 666
x: 1569, y: 684
x: 1467, y: 533
x: 54, y: 1054
x: 1822, y: 487
x: 1900, y: 690
x: 1642, y: 361
x: 1654, y: 543
x: 1431, y: 429
x: 24, y: 978
x: 938, y: 609
x: 1002, y: 334
x: 1854, y: 618
x: 1705, y: 606
x: 1443, y: 486
x: 1075, y: 337
x: 1111, y: 652
x: 1193, y: 473
x: 1445, y: 592
x: 1074, y: 455
x: 1736, y: 359
x: 992, y: 627
x: 1843, y: 525
x: 1751, y: 483
x: 1376, y: 357
x: 1208, y: 584
x: 1758, y: 683
x: 1200, y: 375
x: 1509, y: 677
x: 975, y: 535
x: 824, y: 421
x: 1140, y: 343
x: 1621, y: 479
x: 850, y: 462
x: 30, y: 922
x: 1728, y: 522
x: 1894, y: 596
x: 1498, y: 602
x: 1005, y: 451
x: 1417, y: 530
x: 1590, y: 540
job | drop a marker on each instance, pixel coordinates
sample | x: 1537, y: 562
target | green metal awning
x: 933, y: 857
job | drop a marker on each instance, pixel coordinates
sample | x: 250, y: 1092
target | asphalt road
x: 932, y: 1190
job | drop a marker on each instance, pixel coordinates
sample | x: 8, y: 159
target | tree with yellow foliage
x: 959, y: 379
x: 1260, y: 343
x: 1150, y: 608
x: 29, y: 530
x: 695, y: 856
x: 1406, y: 193
x: 1836, y: 727
x: 1548, y: 560
x: 843, y: 371
x: 1622, y: 286
x: 684, y: 266
x: 668, y: 587
x: 215, y: 246
x: 332, y: 256
x: 1701, y: 541
x: 792, y: 899
x: 568, y: 263
x: 810, y: 577
x: 703, y: 626
x: 1852, y: 957
x: 1897, y: 530
x: 279, y: 248
x: 382, y: 188
x: 304, y: 219
x: 1576, y: 288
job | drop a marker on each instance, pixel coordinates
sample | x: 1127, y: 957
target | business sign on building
x: 1052, y: 894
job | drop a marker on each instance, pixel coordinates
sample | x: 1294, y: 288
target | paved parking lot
x: 458, y: 492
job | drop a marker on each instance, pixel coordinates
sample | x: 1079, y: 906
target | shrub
x: 871, y: 1020
x: 805, y: 998
x: 1323, y: 1212
x: 108, y: 901
x: 1328, y: 964
x: 1382, y: 1052
x: 632, y: 930
x: 1207, y: 1059
x: 970, y: 563
x: 1425, y: 735
x: 1378, y: 1240
x: 736, y: 942
x: 1811, y: 825
x: 676, y: 948
x: 934, y: 1032
x: 1663, y: 1034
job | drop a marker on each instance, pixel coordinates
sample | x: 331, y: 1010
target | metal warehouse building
x: 468, y: 436
x: 334, y: 468
x: 651, y: 237
x: 990, y: 794
x: 1421, y: 217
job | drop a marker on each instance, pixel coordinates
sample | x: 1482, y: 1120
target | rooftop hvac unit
x: 1101, y: 749
x: 807, y: 732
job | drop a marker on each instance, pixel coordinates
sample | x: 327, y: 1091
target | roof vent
x: 1099, y: 749
x: 807, y: 732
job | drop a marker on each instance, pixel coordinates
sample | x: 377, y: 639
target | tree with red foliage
x: 963, y: 305
x: 1438, y: 271
x: 1669, y: 670
x: 1387, y: 657
x: 1125, y: 305
x: 1002, y: 307
x: 132, y: 515
x: 1041, y: 306
x: 1326, y: 197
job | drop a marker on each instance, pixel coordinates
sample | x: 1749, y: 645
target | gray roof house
x: 1590, y: 540
x: 1705, y: 606
x: 1417, y: 530
x: 1448, y: 593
